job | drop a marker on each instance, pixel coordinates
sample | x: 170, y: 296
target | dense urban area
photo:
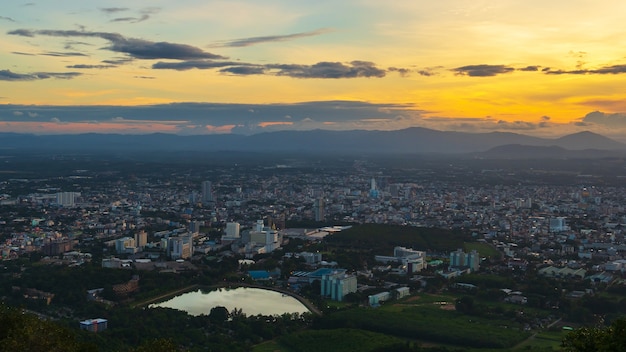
x: 403, y: 253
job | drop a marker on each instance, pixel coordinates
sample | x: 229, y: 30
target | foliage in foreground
x: 610, y: 339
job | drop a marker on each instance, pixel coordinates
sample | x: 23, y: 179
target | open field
x: 485, y: 249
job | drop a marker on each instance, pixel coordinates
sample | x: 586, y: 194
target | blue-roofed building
x: 259, y: 275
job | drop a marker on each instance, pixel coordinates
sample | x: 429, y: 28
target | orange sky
x: 534, y: 67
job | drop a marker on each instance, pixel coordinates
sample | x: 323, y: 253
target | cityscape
x: 338, y: 234
x: 295, y: 176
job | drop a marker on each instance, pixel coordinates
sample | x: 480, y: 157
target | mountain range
x: 415, y: 140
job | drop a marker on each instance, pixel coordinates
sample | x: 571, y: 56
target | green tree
x: 610, y: 339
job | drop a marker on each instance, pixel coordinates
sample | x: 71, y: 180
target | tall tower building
x: 318, y: 208
x: 207, y: 192
x: 373, y: 189
x: 141, y: 239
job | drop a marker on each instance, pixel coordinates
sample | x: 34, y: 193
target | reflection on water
x: 251, y: 301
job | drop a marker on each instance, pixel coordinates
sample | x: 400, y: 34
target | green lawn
x: 339, y: 340
x: 547, y: 340
x: 484, y: 249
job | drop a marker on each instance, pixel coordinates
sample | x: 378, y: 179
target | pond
x: 251, y: 301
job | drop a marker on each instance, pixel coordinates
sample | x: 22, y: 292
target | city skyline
x: 202, y: 67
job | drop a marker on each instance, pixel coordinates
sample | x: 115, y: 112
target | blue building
x: 337, y: 284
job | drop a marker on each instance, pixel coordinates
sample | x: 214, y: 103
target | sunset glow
x: 533, y: 67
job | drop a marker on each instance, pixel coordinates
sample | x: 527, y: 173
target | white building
x: 558, y: 224
x: 180, y: 247
x: 125, y: 245
x: 67, y: 199
x: 338, y: 284
x: 232, y: 231
x: 411, y: 260
x: 460, y: 259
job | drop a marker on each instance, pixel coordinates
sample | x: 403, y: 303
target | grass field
x: 485, y: 250
x: 546, y: 340
x: 339, y: 340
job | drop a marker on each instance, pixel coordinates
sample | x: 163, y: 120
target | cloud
x: 267, y: 39
x: 338, y: 114
x: 60, y: 54
x: 402, y: 71
x: 83, y: 66
x: 353, y: 69
x: 145, y: 77
x: 330, y: 70
x: 244, y: 70
x: 145, y: 14
x: 529, y: 68
x: 4, y: 18
x: 7, y: 75
x: 617, y: 120
x: 482, y: 70
x: 21, y: 53
x: 18, y: 113
x: 120, y: 61
x: 137, y: 48
x: 112, y: 10
x: 198, y: 64
x: 613, y: 70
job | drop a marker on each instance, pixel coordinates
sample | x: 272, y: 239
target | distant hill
x: 415, y: 140
x: 516, y: 151
x: 587, y: 140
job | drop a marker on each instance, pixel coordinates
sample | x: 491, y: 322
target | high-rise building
x: 141, y: 239
x: 338, y: 284
x: 318, y: 208
x: 67, y: 199
x: 180, y: 247
x: 461, y: 260
x: 194, y: 226
x: 232, y: 230
x: 373, y: 189
x: 207, y: 192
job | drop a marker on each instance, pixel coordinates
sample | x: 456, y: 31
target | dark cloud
x: 70, y: 44
x: 330, y: 70
x: 616, y: 120
x: 120, y: 61
x: 529, y: 68
x: 131, y: 19
x: 198, y: 64
x: 520, y: 125
x: 60, y: 54
x: 7, y: 19
x: 402, y: 71
x: 215, y: 114
x: 7, y: 75
x: 353, y: 69
x: 145, y: 77
x: 482, y: 70
x: 137, y: 48
x: 111, y: 10
x: 145, y: 14
x: 613, y: 70
x: 21, y: 53
x: 81, y: 66
x: 267, y: 39
x: 244, y: 70
x: 563, y: 72
x: 22, y: 32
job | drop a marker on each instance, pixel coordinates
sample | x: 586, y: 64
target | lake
x: 251, y: 301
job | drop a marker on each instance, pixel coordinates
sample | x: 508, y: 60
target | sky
x: 542, y: 68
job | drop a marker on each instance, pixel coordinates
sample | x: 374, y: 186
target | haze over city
x: 203, y: 67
